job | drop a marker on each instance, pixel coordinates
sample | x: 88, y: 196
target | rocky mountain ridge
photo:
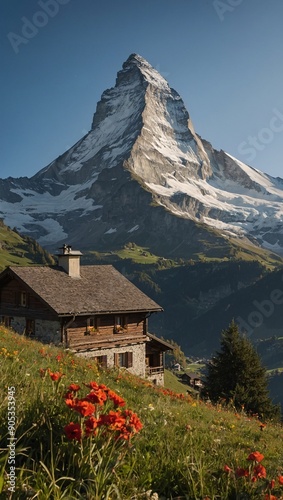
x: 142, y: 174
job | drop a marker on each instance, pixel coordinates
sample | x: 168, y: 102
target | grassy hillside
x: 20, y: 250
x: 235, y: 250
x: 167, y: 447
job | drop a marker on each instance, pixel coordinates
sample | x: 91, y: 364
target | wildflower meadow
x: 69, y: 430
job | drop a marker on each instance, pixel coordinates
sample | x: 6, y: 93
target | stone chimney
x: 70, y: 260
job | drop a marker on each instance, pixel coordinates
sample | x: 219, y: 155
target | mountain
x: 142, y: 174
x: 202, y: 298
x: 256, y: 308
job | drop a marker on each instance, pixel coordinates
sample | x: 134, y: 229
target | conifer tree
x: 237, y: 375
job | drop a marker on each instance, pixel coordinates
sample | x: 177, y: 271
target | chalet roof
x: 160, y: 343
x: 192, y: 376
x: 100, y: 289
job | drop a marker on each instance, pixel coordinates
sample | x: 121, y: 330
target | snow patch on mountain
x: 28, y: 213
x: 225, y: 205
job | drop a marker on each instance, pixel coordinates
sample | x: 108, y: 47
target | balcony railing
x: 150, y: 370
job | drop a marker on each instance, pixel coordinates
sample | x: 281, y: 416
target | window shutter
x: 129, y: 359
x: 116, y: 359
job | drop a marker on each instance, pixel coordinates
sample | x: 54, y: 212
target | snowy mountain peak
x: 141, y: 168
x: 150, y: 74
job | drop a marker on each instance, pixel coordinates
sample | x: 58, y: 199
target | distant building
x: 192, y: 379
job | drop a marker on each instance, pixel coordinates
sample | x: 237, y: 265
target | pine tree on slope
x: 236, y: 374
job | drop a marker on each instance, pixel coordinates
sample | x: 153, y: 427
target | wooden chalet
x: 91, y: 310
x: 192, y: 379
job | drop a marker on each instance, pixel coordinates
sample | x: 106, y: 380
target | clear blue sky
x: 225, y: 58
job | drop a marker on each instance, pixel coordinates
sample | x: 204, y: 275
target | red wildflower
x: 69, y: 395
x: 260, y: 471
x: 92, y: 385
x: 227, y: 468
x: 84, y: 408
x: 240, y: 472
x: 280, y: 479
x: 74, y: 387
x: 270, y: 497
x: 71, y: 402
x: 117, y: 400
x: 90, y: 425
x: 73, y: 431
x: 271, y: 484
x: 59, y: 357
x: 256, y: 456
x: 134, y: 422
x: 103, y: 387
x: 113, y: 420
x: 96, y: 397
x: 55, y: 376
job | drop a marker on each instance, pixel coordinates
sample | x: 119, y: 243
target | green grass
x: 20, y: 250
x: 231, y: 249
x: 180, y: 451
x: 245, y: 251
x: 136, y: 254
x: 240, y: 250
x: 139, y: 255
x: 10, y: 253
x: 194, y: 367
x: 171, y: 382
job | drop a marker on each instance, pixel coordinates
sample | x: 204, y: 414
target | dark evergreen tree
x: 236, y: 374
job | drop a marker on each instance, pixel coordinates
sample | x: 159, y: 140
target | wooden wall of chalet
x: 79, y: 336
x: 11, y: 303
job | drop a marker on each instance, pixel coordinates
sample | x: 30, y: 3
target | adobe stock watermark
x: 262, y: 310
x: 11, y: 431
x: 221, y: 7
x: 31, y: 27
x: 265, y: 136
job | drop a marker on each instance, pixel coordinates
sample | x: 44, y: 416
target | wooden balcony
x: 151, y: 370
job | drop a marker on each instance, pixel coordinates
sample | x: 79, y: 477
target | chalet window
x: 23, y: 299
x: 101, y: 361
x: 121, y: 324
x: 30, y: 327
x: 92, y: 325
x: 123, y: 359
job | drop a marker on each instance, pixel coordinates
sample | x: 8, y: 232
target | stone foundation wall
x: 156, y: 378
x: 47, y: 332
x: 138, y: 351
x: 19, y: 325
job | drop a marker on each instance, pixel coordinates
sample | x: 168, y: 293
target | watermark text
x: 258, y: 142
x: 11, y: 428
x: 222, y: 7
x: 262, y: 309
x: 31, y: 27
